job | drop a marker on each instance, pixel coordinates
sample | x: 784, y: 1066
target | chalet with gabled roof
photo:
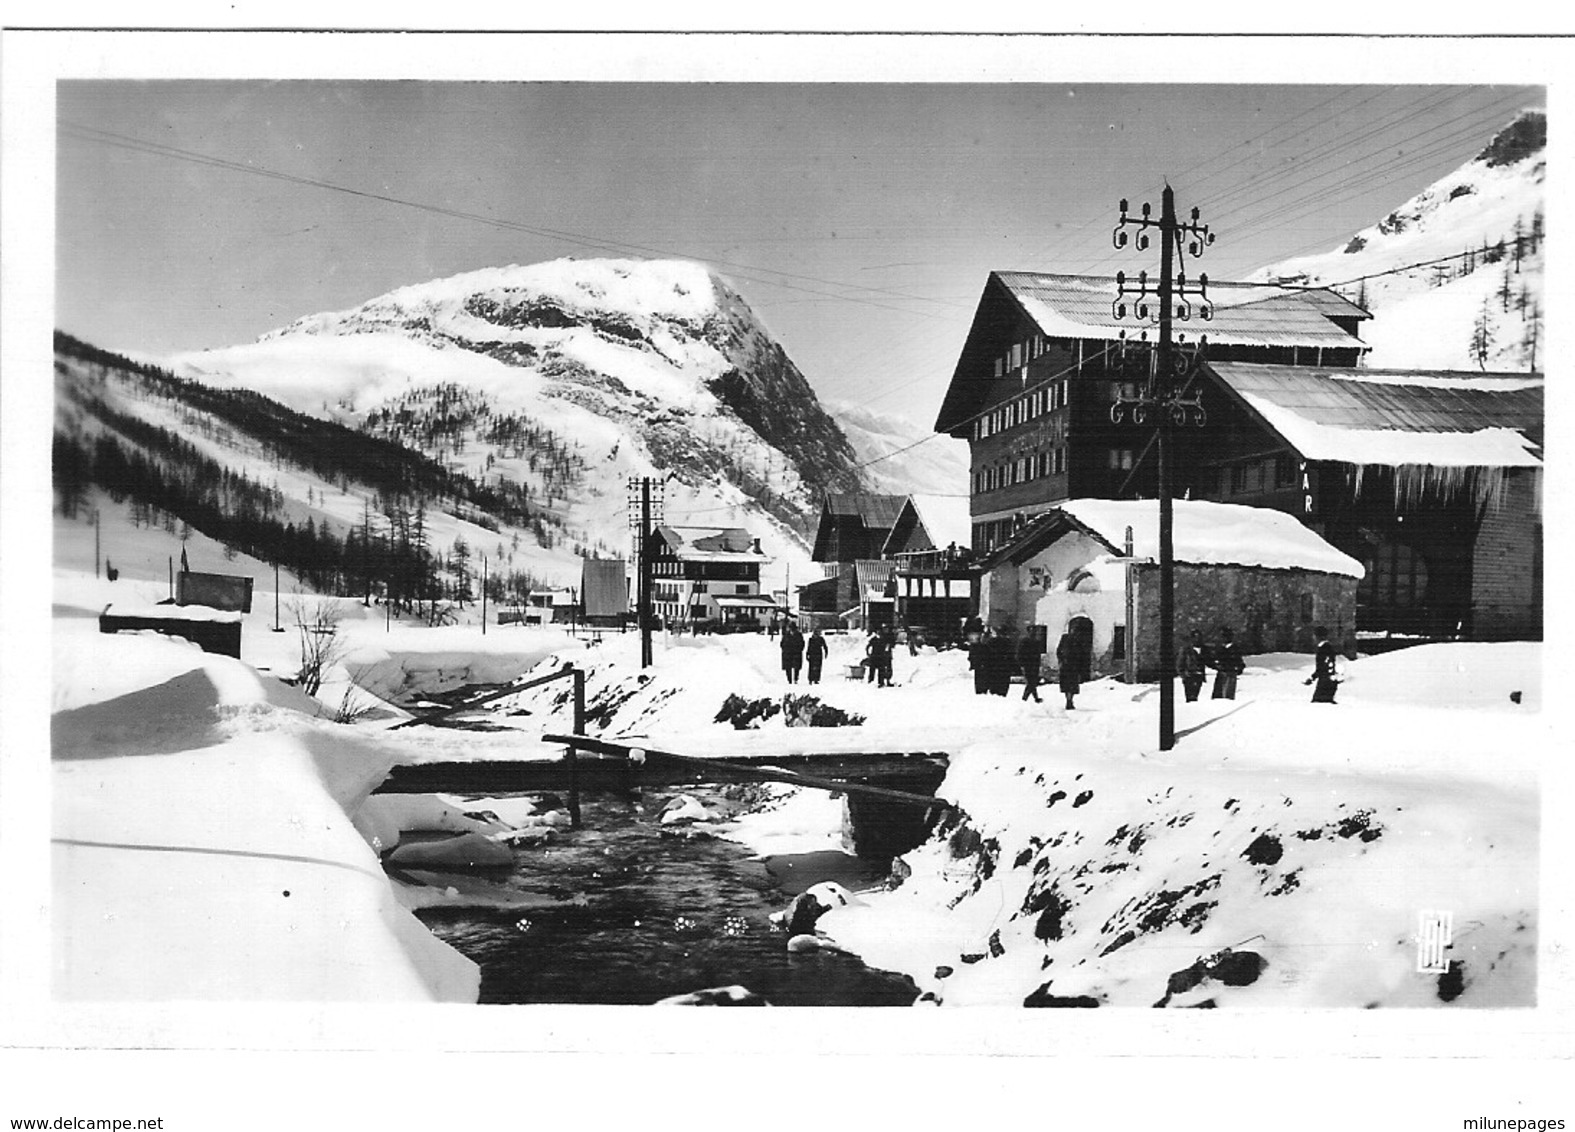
x: 854, y: 525
x: 853, y: 530
x: 1043, y: 362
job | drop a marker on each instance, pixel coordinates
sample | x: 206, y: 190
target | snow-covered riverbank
x: 1080, y: 864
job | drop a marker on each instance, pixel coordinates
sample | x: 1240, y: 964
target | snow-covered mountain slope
x: 1453, y: 277
x: 900, y: 457
x: 569, y: 377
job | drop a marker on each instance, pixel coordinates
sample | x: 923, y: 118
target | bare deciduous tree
x: 321, y: 645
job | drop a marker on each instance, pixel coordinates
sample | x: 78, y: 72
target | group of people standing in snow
x: 797, y: 651
x: 997, y: 655
x: 1225, y: 658
x: 1197, y: 658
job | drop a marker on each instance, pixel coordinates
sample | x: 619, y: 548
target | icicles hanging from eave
x: 1418, y: 485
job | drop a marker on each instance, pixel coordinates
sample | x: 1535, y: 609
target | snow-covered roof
x: 171, y: 612
x: 1245, y: 314
x: 552, y: 597
x: 945, y: 517
x: 1083, y: 308
x: 1396, y: 417
x: 711, y: 544
x: 728, y: 601
x: 1203, y: 534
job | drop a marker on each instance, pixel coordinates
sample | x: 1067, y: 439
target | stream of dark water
x: 661, y: 916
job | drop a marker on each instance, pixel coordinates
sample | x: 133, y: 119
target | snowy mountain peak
x: 563, y: 379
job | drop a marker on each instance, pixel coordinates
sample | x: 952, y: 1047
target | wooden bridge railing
x: 566, y: 672
x: 634, y: 752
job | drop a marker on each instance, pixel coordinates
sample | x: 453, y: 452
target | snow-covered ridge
x: 1478, y: 202
x: 672, y: 290
x: 1454, y: 275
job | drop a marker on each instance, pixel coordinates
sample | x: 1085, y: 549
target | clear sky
x: 860, y: 220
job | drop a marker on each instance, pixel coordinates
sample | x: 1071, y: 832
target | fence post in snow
x: 574, y: 755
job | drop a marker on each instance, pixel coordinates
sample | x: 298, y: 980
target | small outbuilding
x: 1091, y: 567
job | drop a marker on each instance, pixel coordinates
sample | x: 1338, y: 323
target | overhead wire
x: 1352, y: 171
x: 123, y: 141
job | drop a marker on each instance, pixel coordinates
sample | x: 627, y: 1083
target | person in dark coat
x: 1003, y: 662
x: 1070, y: 665
x: 979, y: 653
x: 1193, y: 666
x: 888, y: 640
x: 1228, y: 665
x: 1029, y: 655
x: 815, y: 655
x: 792, y: 651
x: 877, y: 658
x: 1326, y: 672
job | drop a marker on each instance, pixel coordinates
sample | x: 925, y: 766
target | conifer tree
x: 1482, y: 335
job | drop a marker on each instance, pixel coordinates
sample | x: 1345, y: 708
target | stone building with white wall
x: 1257, y: 571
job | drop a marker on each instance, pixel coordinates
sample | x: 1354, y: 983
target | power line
x: 122, y: 141
x: 1040, y: 384
x: 1351, y: 171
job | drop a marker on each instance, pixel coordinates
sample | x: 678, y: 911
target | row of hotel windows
x: 1250, y: 478
x: 1025, y: 408
x: 987, y: 536
x: 1051, y: 462
x: 1020, y: 354
x: 730, y: 571
x: 670, y: 591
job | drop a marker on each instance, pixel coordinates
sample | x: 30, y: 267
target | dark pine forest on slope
x: 100, y: 441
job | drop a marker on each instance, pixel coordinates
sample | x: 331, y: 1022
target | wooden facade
x: 854, y: 526
x: 1451, y: 550
x: 1452, y: 547
x: 1034, y: 402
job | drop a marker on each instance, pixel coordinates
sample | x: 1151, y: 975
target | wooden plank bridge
x: 891, y: 794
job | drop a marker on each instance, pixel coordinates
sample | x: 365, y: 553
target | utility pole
x: 645, y: 572
x: 96, y: 572
x: 642, y: 509
x: 483, y: 595
x: 1173, y: 406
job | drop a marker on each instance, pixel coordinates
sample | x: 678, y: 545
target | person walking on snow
x: 1029, y: 654
x: 1193, y: 667
x: 1228, y: 665
x: 792, y: 651
x: 815, y: 655
x: 1326, y: 670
